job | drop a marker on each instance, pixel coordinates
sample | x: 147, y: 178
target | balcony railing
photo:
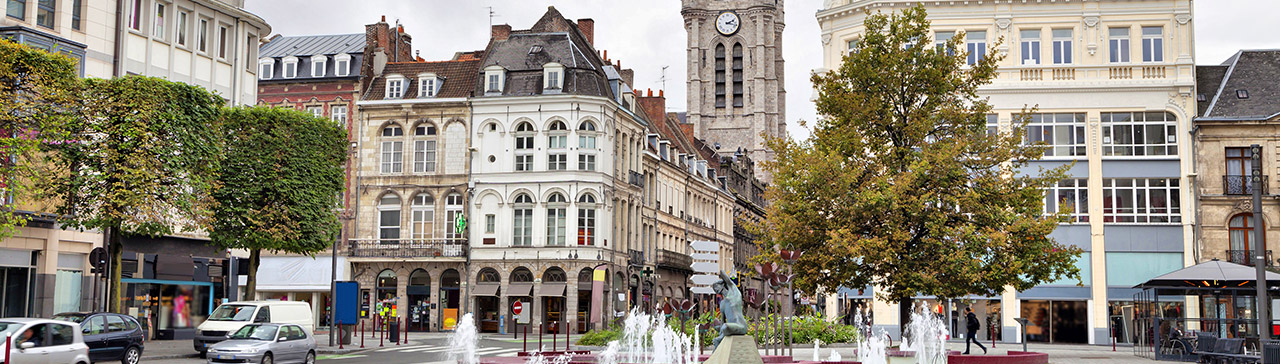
x: 408, y: 248
x: 1240, y: 185
x: 674, y: 260
x: 1246, y: 257
x: 1105, y: 72
x: 636, y: 179
x: 635, y: 257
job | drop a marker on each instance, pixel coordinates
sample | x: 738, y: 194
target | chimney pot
x: 384, y: 19
x: 660, y: 93
x: 650, y: 93
x: 606, y: 56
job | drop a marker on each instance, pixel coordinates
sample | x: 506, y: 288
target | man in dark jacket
x: 972, y: 326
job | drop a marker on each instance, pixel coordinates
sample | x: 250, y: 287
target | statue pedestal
x: 739, y: 349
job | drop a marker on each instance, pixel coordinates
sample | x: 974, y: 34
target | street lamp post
x: 1260, y: 259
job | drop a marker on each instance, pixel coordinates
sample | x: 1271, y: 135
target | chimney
x: 628, y: 75
x: 606, y: 56
x: 500, y: 32
x: 653, y: 107
x: 588, y: 29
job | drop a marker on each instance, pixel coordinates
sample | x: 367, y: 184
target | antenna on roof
x: 663, y: 79
x: 491, y: 15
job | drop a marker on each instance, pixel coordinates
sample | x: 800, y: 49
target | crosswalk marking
x: 491, y: 351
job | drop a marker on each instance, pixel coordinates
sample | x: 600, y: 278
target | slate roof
x: 1208, y: 78
x: 458, y: 78
x: 309, y: 45
x: 1255, y: 71
x: 552, y: 39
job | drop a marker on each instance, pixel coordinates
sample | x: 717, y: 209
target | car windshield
x: 255, y: 332
x: 72, y: 317
x: 8, y: 328
x: 232, y: 313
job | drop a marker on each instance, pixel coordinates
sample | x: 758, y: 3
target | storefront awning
x: 552, y: 289
x: 519, y: 289
x: 486, y: 290
x: 297, y: 274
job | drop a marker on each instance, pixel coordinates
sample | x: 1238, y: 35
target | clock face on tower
x: 727, y: 23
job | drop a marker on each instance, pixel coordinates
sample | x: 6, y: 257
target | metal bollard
x: 525, y: 348
x: 362, y: 334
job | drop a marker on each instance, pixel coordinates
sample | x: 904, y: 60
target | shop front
x: 300, y: 278
x: 170, y: 310
x: 17, y: 277
x: 1056, y: 321
x: 487, y: 304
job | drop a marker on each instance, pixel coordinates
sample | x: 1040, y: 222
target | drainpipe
x: 116, y: 67
x: 1194, y: 180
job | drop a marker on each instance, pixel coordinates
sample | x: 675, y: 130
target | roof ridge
x: 432, y: 62
x: 1226, y: 76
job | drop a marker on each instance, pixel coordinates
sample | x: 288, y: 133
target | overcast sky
x: 649, y: 35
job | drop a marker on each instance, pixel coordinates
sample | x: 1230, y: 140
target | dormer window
x: 494, y: 79
x: 395, y: 87
x: 290, y: 67
x: 342, y: 65
x: 428, y: 85
x: 552, y: 75
x: 265, y: 67
x: 1242, y: 94
x: 318, y: 63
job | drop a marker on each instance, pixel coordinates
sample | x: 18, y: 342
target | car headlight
x: 251, y: 350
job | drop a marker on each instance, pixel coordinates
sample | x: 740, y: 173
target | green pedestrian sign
x: 460, y: 225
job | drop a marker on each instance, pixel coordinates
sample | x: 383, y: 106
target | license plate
x: 227, y: 357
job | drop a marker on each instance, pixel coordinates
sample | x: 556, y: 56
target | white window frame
x: 392, y: 149
x: 1049, y: 127
x: 975, y: 42
x: 522, y: 221
x: 557, y: 220
x: 453, y: 207
x: 339, y: 114
x: 940, y: 40
x: 266, y: 68
x: 161, y: 20
x: 223, y: 38
x: 202, y: 35
x: 587, y: 220
x: 557, y: 161
x: 524, y: 146
x: 422, y: 215
x: 425, y: 149
x: 1153, y: 44
x: 383, y: 228
x: 1062, y: 45
x: 1030, y: 46
x: 395, y: 86
x: 182, y: 23
x: 428, y: 85
x: 318, y: 65
x: 552, y: 76
x: 1118, y: 44
x: 317, y: 111
x: 135, y: 14
x: 342, y: 65
x: 495, y: 80
x: 1139, y: 133
x: 1070, y: 192
x: 1115, y: 191
x: 852, y: 46
x: 289, y: 68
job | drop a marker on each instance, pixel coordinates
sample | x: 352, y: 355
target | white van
x: 231, y: 316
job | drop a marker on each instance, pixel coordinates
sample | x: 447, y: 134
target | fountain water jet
x: 463, y: 341
x: 926, y: 336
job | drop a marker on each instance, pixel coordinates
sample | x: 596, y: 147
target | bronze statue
x: 731, y: 307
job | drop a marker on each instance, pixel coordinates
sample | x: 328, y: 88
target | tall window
x: 587, y: 219
x: 557, y: 162
x: 1139, y: 133
x: 316, y: 111
x: 76, y: 11
x: 1062, y: 46
x: 17, y: 9
x: 1141, y: 200
x: 318, y: 65
x: 1030, y: 46
x: 557, y: 207
x: 453, y: 211
x: 586, y: 146
x: 44, y: 13
x: 940, y: 40
x: 422, y: 218
x: 202, y: 35
x: 157, y: 30
x: 1119, y: 41
x: 395, y: 88
x: 392, y: 148
x: 1239, y: 167
x: 339, y: 114
x: 494, y: 83
x: 490, y: 223
x: 222, y: 41
x: 737, y: 75
x: 1242, y: 237
x: 424, y: 149
x: 522, y: 225
x: 342, y: 65
x: 389, y: 219
x: 720, y: 75
x: 976, y: 44
x: 1153, y: 44
x: 1070, y: 197
x: 182, y: 28
x: 524, y: 146
x: 553, y: 79
x: 1063, y: 133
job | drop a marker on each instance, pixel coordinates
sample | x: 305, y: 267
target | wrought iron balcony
x: 635, y: 257
x: 408, y: 248
x: 1246, y: 257
x: 674, y: 260
x: 1240, y: 185
x: 636, y: 179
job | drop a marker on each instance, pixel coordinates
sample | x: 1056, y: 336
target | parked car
x: 42, y: 341
x: 110, y: 336
x: 267, y: 344
x: 231, y: 316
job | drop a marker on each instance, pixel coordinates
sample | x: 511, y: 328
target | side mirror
x: 26, y: 345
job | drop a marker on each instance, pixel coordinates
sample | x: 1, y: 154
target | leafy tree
x: 37, y: 92
x: 279, y: 184
x: 902, y: 185
x: 142, y: 161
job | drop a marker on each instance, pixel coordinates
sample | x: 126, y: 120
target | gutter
x: 116, y: 67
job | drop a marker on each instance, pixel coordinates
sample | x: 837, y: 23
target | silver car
x: 267, y: 344
x: 31, y: 341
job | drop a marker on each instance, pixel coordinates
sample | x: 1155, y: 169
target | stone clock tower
x: 735, y: 74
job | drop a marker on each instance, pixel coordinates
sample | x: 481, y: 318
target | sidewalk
x: 178, y: 349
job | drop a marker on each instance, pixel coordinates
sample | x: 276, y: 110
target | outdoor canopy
x: 1208, y: 276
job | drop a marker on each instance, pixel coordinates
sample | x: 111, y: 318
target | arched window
x: 522, y: 224
x: 557, y: 141
x: 720, y: 75
x: 419, y: 278
x: 387, y: 284
x: 452, y: 211
x: 1243, y: 240
x: 389, y: 219
x: 392, y: 148
x: 521, y: 274
x: 554, y: 274
x: 489, y: 275
x: 587, y: 146
x: 557, y: 215
x: 422, y: 216
x: 424, y: 148
x: 587, y: 219
x: 737, y: 75
x: 524, y: 146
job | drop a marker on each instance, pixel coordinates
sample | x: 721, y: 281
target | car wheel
x: 131, y: 355
x: 266, y: 358
x: 311, y: 357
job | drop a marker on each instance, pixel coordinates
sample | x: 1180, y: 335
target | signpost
x: 522, y: 316
x: 706, y: 258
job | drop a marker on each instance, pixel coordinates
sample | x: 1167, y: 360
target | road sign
x: 706, y: 267
x: 701, y: 290
x: 705, y: 279
x: 517, y: 307
x: 705, y: 256
x: 705, y: 246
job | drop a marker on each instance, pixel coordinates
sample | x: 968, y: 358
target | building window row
x: 1139, y: 134
x: 557, y: 144
x: 318, y: 63
x: 1062, y: 133
x: 422, y: 218
x: 556, y: 220
x: 424, y: 142
x: 162, y: 14
x: 1124, y: 200
x: 1069, y: 197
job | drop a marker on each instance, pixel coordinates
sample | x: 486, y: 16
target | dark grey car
x: 265, y: 343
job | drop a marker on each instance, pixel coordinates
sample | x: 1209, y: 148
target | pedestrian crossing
x: 444, y: 349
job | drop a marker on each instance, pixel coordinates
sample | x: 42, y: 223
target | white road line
x: 403, y: 347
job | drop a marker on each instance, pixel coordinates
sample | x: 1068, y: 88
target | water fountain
x: 871, y: 344
x: 463, y: 341
x: 834, y: 357
x: 926, y: 336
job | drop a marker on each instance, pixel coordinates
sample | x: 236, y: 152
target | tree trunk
x: 251, y: 283
x: 116, y: 251
x: 904, y: 316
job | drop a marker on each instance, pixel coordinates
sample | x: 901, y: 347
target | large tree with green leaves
x: 142, y: 160
x: 903, y: 186
x: 279, y: 183
x: 38, y: 91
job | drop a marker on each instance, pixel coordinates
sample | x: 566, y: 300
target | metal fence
x: 1175, y: 339
x: 408, y: 248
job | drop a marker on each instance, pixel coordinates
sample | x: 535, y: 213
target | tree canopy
x: 902, y: 184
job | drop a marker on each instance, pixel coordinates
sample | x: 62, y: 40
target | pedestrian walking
x: 972, y: 325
